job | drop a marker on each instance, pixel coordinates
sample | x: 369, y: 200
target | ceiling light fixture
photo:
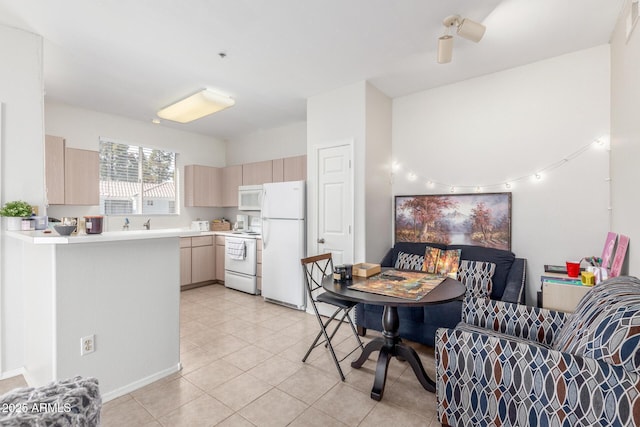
x: 198, y: 105
x: 466, y: 28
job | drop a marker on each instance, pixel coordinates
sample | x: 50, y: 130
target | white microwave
x: 250, y: 197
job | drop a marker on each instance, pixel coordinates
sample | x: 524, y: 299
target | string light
x: 509, y: 184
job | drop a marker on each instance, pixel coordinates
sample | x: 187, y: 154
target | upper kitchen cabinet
x: 231, y: 180
x: 54, y: 169
x: 81, y: 177
x: 202, y: 186
x: 295, y: 168
x: 278, y: 170
x: 257, y: 173
x: 72, y: 175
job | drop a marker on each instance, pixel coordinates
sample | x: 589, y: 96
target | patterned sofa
x: 512, y: 365
x: 74, y: 402
x: 419, y: 324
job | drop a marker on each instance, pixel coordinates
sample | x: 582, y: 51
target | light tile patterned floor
x: 242, y: 366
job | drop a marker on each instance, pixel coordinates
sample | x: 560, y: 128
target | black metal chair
x: 317, y: 268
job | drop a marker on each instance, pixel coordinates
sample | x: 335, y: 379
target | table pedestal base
x: 390, y: 345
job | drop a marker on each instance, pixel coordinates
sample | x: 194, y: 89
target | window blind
x: 136, y: 180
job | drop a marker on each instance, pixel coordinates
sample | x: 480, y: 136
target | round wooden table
x: 390, y: 344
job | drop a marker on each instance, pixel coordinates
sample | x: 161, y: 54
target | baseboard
x: 140, y: 383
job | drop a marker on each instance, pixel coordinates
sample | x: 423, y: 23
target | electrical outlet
x: 87, y: 345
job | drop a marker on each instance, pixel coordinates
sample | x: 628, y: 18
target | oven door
x: 245, y: 264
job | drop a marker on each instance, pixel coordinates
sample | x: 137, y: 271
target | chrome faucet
x: 125, y: 227
x: 147, y: 225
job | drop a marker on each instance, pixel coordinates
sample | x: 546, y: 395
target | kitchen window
x: 136, y: 180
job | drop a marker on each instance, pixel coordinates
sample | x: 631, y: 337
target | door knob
x: 320, y: 240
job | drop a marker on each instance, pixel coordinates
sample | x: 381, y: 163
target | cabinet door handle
x: 320, y: 240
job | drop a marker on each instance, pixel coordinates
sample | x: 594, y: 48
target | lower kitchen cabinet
x: 197, y: 260
x: 220, y: 258
x: 185, y: 263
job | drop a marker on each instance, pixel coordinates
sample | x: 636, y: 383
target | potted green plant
x: 15, y: 211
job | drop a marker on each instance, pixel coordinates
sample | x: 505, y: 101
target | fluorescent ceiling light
x: 196, y: 106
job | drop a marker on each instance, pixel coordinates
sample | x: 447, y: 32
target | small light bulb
x: 507, y: 185
x: 411, y: 176
x: 478, y: 189
x: 452, y: 189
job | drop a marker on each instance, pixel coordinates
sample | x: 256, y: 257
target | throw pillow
x: 431, y: 256
x: 440, y: 261
x: 449, y: 262
x: 477, y: 277
x: 407, y: 261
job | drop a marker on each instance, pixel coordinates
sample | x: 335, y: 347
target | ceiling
x: 131, y: 58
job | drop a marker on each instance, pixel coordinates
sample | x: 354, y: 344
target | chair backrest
x: 316, y: 268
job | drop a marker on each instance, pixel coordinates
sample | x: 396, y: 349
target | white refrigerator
x: 283, y: 243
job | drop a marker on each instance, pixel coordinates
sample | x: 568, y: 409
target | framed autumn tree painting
x: 481, y: 219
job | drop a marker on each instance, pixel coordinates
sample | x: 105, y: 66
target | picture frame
x: 480, y: 219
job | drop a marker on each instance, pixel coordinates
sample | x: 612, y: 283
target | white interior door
x: 335, y: 203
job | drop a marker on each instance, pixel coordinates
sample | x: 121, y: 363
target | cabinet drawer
x: 202, y: 241
x: 185, y: 242
x: 220, y: 240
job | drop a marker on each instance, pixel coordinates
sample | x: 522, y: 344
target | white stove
x: 240, y: 262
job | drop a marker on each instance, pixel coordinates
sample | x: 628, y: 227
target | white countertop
x: 41, y: 238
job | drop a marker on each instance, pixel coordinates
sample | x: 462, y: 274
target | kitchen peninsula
x: 121, y: 288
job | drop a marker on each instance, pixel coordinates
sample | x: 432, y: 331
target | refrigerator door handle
x: 265, y: 232
x: 321, y: 241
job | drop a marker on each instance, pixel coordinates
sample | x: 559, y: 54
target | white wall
x: 511, y: 124
x: 269, y: 144
x: 22, y: 172
x: 83, y: 128
x: 378, y: 203
x: 360, y: 113
x: 625, y: 136
x: 335, y: 117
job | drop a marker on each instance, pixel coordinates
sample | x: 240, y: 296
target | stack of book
x: 560, y: 278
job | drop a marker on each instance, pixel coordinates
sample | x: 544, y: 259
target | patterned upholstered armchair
x: 512, y: 365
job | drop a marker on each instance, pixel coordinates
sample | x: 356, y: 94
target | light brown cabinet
x: 71, y: 174
x: 277, y: 170
x: 295, y: 168
x: 202, y: 186
x: 54, y: 169
x: 257, y: 173
x: 220, y: 258
x: 185, y: 261
x: 203, y: 259
x: 81, y: 177
x: 197, y: 260
x: 231, y: 180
